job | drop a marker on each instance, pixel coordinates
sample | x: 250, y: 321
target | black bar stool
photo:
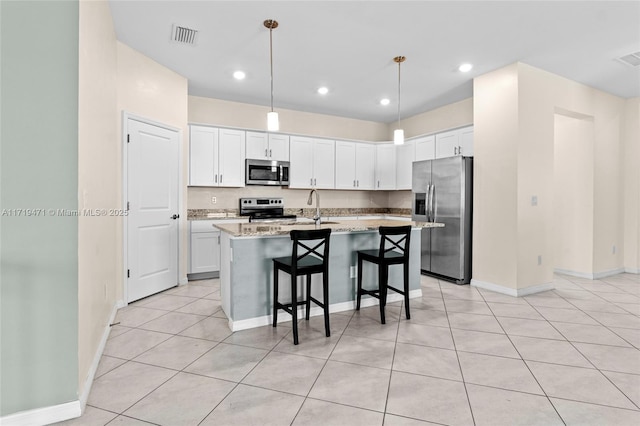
x: 394, y: 250
x: 304, y: 260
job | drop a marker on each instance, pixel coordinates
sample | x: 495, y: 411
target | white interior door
x: 152, y: 194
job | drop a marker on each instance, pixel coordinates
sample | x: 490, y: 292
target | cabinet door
x: 257, y: 146
x: 324, y: 163
x: 279, y: 147
x: 385, y: 166
x: 365, y: 166
x: 205, y: 252
x: 301, y: 158
x: 447, y: 144
x: 405, y: 156
x: 345, y: 165
x: 231, y: 157
x: 425, y: 148
x: 203, y: 144
x: 466, y: 141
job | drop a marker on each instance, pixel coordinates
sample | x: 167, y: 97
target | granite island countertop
x: 257, y: 229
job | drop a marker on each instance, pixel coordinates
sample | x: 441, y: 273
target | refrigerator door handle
x: 428, y: 204
x: 432, y: 203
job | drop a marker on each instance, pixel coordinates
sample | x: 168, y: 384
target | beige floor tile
x: 460, y: 292
x: 493, y: 407
x: 363, y: 351
x: 474, y: 322
x: 169, y: 302
x: 573, y: 315
x: 578, y: 384
x: 172, y: 322
x: 514, y: 311
x: 551, y: 351
x: 135, y: 316
x: 439, y: 401
x: 119, y: 389
x: 617, y: 320
x: 315, y: 412
x: 529, y: 328
x: 432, y: 303
x: 372, y: 328
x: 311, y: 343
x: 227, y: 362
x: 584, y: 333
x: 201, y: 307
x: 393, y: 420
x: 106, y: 364
x: 186, y: 399
x: 433, y: 317
x: 176, y: 353
x: 597, y: 305
x: 91, y: 416
x: 266, y: 337
x: 548, y: 302
x: 504, y: 373
x: 354, y: 385
x: 581, y: 414
x: 630, y: 335
x: 492, y: 296
x: 484, y: 343
x: 286, y: 373
x: 611, y: 358
x: 128, y: 421
x: 427, y: 361
x: 216, y: 329
x: 426, y: 335
x: 191, y: 291
x: 133, y: 343
x: 629, y: 384
x: 467, y: 307
x: 117, y: 330
x: 248, y: 405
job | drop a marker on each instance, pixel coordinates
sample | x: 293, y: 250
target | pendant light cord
x: 271, y: 60
x: 399, y: 62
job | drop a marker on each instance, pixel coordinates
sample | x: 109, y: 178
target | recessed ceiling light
x: 239, y: 75
x: 384, y: 101
x: 465, y: 67
x: 323, y: 90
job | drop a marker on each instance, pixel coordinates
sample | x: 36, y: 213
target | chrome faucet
x: 316, y: 218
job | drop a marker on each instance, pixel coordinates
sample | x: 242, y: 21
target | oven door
x: 263, y: 172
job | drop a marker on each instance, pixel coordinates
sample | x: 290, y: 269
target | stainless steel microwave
x: 267, y: 172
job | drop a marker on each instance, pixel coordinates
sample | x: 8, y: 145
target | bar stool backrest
x: 395, y: 238
x: 313, y: 243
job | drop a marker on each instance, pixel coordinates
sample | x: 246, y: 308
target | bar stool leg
x: 275, y: 296
x: 325, y: 298
x: 382, y: 286
x: 308, y: 297
x: 294, y: 306
x: 359, y: 295
x: 405, y: 267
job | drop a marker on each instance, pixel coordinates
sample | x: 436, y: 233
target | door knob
x: 175, y: 216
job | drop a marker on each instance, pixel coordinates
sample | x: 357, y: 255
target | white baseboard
x: 590, y: 275
x: 632, y: 270
x: 43, y: 416
x: 86, y: 389
x: 514, y: 292
x: 183, y: 280
x: 316, y: 311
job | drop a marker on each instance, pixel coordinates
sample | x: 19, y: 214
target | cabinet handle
x: 315, y: 181
x: 216, y: 179
x: 455, y: 150
x: 218, y: 239
x: 378, y: 184
x: 358, y: 183
x: 270, y: 155
x: 354, y: 183
x: 220, y: 178
x: 310, y: 181
x: 265, y: 152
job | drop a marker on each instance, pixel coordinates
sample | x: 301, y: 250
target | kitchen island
x: 246, y: 270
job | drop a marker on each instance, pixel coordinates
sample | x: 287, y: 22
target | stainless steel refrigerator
x: 443, y: 192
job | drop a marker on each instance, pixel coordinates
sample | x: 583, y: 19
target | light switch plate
x: 534, y: 200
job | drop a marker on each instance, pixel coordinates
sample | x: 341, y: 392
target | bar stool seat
x: 310, y: 255
x: 394, y: 250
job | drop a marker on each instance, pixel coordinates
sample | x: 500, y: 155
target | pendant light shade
x: 273, y: 124
x: 398, y: 134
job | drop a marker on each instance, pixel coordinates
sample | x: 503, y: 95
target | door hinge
x: 128, y: 140
x: 128, y: 273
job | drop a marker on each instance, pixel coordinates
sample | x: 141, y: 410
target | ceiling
x: 349, y: 46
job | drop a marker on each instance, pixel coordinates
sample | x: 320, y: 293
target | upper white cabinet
x: 263, y: 146
x: 455, y: 142
x: 312, y: 163
x: 355, y: 165
x: 216, y: 157
x: 405, y: 156
x: 385, y: 166
x: 425, y: 148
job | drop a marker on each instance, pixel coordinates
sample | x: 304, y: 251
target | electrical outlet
x: 352, y: 272
x: 534, y: 200
x: 539, y: 260
x: 214, y: 200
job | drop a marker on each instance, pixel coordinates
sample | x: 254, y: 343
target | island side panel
x: 250, y: 278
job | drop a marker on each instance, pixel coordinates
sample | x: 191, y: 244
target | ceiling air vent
x: 632, y: 59
x: 184, y: 35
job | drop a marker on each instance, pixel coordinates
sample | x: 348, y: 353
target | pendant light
x: 398, y: 134
x: 273, y: 124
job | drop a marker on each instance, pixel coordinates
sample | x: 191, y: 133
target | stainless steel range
x: 264, y: 210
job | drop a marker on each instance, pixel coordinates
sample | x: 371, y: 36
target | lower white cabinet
x: 204, y: 247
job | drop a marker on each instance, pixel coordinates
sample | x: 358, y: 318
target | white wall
x: 631, y: 156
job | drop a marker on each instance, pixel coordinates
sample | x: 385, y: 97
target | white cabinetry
x: 312, y: 163
x: 263, y: 146
x: 204, y: 247
x: 385, y: 166
x: 355, y: 165
x: 455, y: 142
x: 425, y: 148
x: 216, y: 157
x: 405, y: 156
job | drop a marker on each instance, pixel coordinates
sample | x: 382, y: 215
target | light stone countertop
x: 274, y: 229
